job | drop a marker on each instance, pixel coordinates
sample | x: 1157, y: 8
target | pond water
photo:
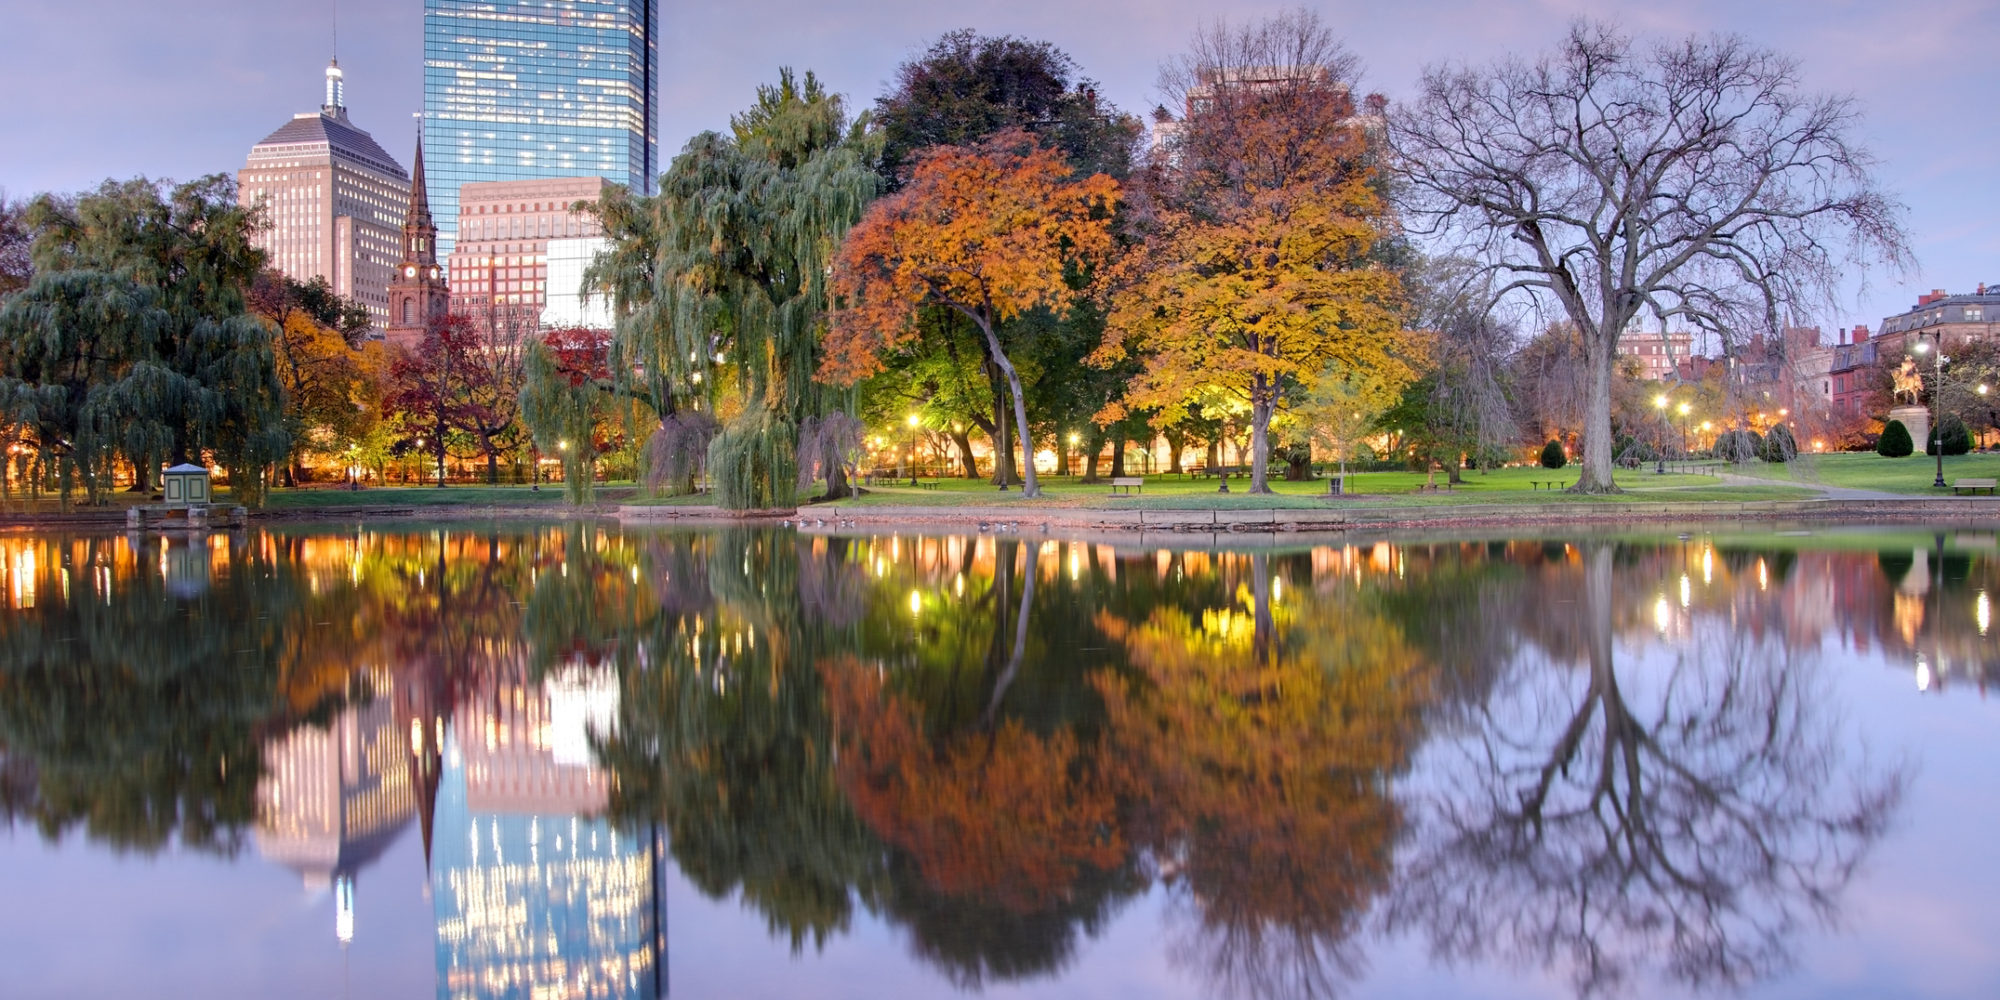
x: 591, y: 761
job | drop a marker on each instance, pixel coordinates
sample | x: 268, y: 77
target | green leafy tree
x: 134, y: 341
x: 726, y: 269
x: 1552, y: 455
x: 562, y: 399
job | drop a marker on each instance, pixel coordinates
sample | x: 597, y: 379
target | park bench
x: 1434, y: 487
x: 1552, y: 484
x: 1963, y: 486
x: 1128, y: 484
x: 929, y: 486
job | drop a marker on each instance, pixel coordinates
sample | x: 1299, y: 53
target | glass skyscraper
x: 521, y: 89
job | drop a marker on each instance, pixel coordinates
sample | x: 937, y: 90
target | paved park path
x: 1830, y: 492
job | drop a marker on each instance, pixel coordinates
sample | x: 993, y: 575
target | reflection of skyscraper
x: 532, y: 897
x: 332, y: 800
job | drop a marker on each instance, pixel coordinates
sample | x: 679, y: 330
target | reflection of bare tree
x: 1692, y: 814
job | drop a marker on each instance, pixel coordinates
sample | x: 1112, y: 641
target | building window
x: 1975, y: 314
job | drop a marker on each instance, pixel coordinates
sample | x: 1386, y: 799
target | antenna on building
x: 336, y: 84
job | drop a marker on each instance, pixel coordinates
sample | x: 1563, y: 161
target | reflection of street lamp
x: 913, y: 449
x: 1937, y: 399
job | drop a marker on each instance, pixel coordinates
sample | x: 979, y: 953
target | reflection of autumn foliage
x: 1259, y: 781
x: 1005, y: 815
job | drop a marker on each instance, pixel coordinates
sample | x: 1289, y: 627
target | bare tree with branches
x: 1693, y: 181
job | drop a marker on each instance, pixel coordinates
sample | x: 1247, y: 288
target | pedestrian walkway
x: 1830, y: 492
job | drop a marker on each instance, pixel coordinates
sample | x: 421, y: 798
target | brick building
x: 504, y: 229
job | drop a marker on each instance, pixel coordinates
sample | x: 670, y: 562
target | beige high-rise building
x: 334, y: 199
x: 504, y: 229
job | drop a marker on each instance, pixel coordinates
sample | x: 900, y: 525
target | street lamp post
x: 1989, y: 417
x: 1937, y: 401
x: 1074, y: 458
x: 913, y: 449
x: 1685, y: 409
x: 1660, y: 449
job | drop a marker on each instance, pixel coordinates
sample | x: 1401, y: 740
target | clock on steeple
x: 417, y: 293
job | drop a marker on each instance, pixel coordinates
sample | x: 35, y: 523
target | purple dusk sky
x: 178, y: 88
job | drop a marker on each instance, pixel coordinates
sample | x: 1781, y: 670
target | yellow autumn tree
x: 1260, y: 740
x: 1261, y: 271
x: 990, y: 231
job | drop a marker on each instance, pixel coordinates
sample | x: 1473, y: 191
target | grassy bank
x: 1911, y: 475
x: 1501, y: 486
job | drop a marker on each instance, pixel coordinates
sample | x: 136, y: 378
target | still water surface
x: 585, y: 761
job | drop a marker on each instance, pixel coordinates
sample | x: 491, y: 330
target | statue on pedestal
x: 1908, y: 381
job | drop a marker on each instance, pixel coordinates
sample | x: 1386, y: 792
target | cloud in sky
x: 178, y: 88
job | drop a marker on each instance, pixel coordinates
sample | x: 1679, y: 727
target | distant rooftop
x: 318, y: 127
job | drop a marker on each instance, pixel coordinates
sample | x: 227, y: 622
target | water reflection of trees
x: 1686, y: 814
x: 1260, y: 744
x: 1612, y: 761
x: 130, y: 688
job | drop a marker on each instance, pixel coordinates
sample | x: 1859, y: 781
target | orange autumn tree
x: 1262, y: 271
x: 992, y: 231
x: 999, y: 814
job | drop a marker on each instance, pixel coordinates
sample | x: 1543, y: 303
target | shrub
x: 1552, y: 455
x: 1895, y: 441
x: 1957, y: 440
x: 1738, y: 446
x: 1779, y: 445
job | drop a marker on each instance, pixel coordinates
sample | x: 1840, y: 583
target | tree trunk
x: 836, y: 482
x: 1013, y: 668
x: 1029, y: 488
x: 1094, y: 454
x: 1298, y: 463
x: 492, y: 465
x: 1002, y: 431
x: 1175, y: 442
x: 1264, y: 632
x: 1601, y: 354
x: 963, y: 442
x: 1117, y: 455
x: 1261, y: 409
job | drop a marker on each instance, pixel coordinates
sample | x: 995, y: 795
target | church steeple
x: 417, y: 293
x: 419, y: 232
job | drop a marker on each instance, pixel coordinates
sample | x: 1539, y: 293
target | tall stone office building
x: 334, y: 200
x: 528, y: 89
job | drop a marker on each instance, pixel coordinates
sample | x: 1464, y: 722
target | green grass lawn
x: 1165, y: 492
x: 1911, y: 475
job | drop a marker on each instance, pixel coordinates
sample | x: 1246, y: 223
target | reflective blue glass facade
x: 521, y: 89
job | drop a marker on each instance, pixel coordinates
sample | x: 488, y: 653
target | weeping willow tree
x: 720, y: 282
x: 752, y: 462
x: 562, y: 401
x: 135, y: 341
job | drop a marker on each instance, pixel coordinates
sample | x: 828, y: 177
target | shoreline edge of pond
x: 1281, y: 520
